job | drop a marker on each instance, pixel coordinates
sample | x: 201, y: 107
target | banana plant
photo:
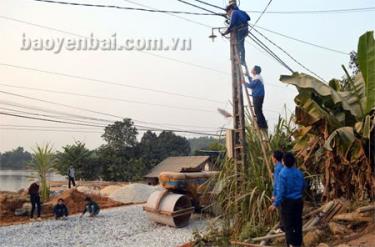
x: 335, y: 137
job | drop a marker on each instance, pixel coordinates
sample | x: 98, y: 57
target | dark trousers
x: 241, y: 36
x: 35, y: 203
x: 258, y: 109
x: 291, y: 214
x: 71, y: 181
x: 281, y: 224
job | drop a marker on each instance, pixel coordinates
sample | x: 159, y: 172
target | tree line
x: 122, y: 158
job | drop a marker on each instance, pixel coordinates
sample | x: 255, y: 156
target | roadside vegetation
x: 333, y: 135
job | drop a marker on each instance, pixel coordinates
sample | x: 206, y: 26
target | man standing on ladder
x: 257, y: 88
x: 238, y: 23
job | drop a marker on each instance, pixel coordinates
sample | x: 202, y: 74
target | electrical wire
x: 174, y: 15
x: 124, y: 8
x: 201, y: 8
x: 110, y: 82
x: 289, y: 55
x: 117, y: 99
x: 260, y: 16
x: 329, y: 11
x: 302, y: 41
x: 144, y: 128
x: 86, y: 110
x: 210, y: 4
x: 107, y: 98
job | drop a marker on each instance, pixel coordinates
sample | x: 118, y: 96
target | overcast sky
x: 140, y: 69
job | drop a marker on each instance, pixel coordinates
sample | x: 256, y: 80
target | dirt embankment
x: 74, y: 200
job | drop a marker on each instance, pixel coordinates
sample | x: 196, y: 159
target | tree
x: 15, y: 159
x: 42, y: 162
x: 121, y: 135
x: 118, y: 159
x: 117, y: 166
x: 170, y: 144
x: 81, y: 158
x: 148, y: 148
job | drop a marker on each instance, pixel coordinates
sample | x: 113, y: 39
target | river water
x: 14, y: 180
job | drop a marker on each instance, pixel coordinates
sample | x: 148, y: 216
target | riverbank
x: 121, y: 226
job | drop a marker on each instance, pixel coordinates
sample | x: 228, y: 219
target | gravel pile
x: 123, y: 226
x: 133, y: 193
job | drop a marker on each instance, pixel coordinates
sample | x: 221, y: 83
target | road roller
x: 182, y: 194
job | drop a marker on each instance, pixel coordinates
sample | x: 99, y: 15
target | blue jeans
x: 241, y: 36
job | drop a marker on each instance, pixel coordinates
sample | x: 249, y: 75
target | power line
x: 283, y: 50
x: 118, y: 99
x: 142, y: 129
x: 269, y: 51
x: 124, y: 8
x: 61, y: 114
x: 45, y: 126
x: 201, y: 8
x: 51, y: 130
x: 47, y: 120
x: 88, y: 110
x: 107, y: 98
x: 260, y: 16
x: 289, y: 55
x: 210, y: 4
x: 174, y: 15
x: 337, y: 11
x: 46, y: 116
x: 302, y: 41
x: 108, y: 82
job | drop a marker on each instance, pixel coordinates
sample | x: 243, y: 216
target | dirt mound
x: 75, y: 201
x: 10, y: 201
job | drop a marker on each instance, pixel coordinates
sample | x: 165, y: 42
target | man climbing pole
x: 239, y: 24
x: 257, y: 88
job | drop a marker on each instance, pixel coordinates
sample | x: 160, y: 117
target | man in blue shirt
x: 290, y: 186
x: 238, y: 23
x: 257, y: 90
x: 277, y: 158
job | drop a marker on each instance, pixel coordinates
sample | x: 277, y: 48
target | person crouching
x: 60, y: 210
x: 91, y: 207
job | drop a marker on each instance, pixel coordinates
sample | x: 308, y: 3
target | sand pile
x: 109, y: 190
x: 75, y: 201
x: 133, y: 193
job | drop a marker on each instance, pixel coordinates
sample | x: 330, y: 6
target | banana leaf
x: 336, y: 100
x: 366, y: 59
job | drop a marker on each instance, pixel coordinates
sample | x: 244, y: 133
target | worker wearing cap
x: 257, y: 91
x: 238, y: 23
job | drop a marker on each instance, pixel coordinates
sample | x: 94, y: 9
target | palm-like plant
x: 42, y: 162
x: 336, y: 133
